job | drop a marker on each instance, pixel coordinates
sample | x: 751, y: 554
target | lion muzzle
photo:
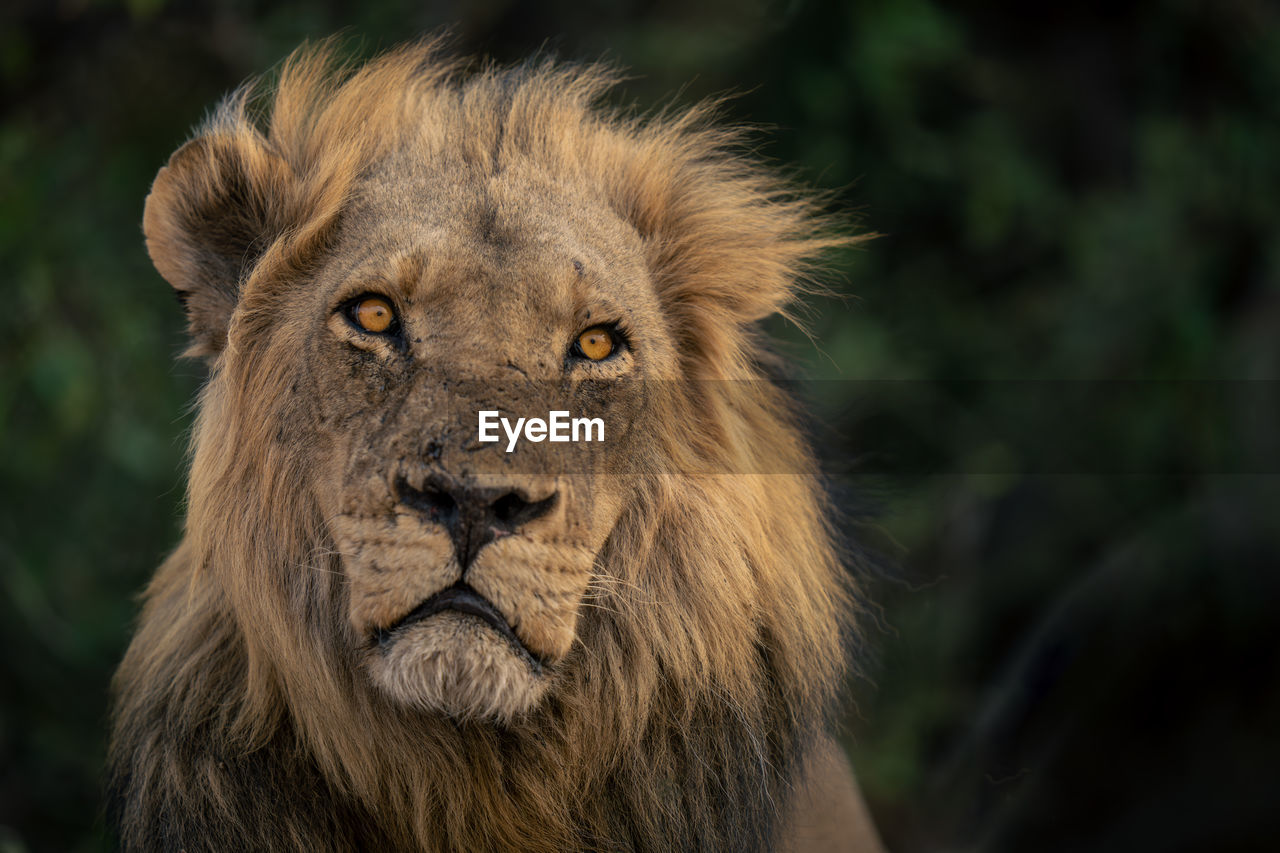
x: 473, y: 515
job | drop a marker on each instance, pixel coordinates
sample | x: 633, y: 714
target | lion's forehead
x: 520, y: 209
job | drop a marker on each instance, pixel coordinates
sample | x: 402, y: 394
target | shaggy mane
x: 712, y: 645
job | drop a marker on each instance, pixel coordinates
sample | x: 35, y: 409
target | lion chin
x: 455, y: 664
x: 456, y: 654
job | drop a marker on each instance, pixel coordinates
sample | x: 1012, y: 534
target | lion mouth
x: 460, y: 598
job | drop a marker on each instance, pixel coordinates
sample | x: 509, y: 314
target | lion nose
x: 473, y: 515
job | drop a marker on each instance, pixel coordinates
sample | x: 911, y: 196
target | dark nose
x: 473, y: 515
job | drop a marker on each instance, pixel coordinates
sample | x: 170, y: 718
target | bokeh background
x: 1051, y: 381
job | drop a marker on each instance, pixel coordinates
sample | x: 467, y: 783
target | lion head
x: 478, y: 644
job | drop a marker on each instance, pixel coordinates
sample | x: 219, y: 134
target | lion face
x: 395, y: 252
x: 442, y: 291
x: 467, y: 562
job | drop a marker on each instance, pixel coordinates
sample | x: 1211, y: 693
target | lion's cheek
x: 591, y: 520
x: 538, y: 586
x: 390, y: 568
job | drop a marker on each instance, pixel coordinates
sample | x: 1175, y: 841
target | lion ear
x: 212, y: 212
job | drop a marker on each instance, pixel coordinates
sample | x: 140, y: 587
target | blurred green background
x: 1052, y: 380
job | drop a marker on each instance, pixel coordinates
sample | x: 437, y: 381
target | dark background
x: 1053, y: 377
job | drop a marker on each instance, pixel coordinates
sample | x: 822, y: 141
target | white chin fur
x: 457, y: 665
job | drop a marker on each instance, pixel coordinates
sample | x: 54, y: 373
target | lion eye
x: 373, y: 314
x: 596, y: 343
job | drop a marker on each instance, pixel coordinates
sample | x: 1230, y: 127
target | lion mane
x: 709, y: 650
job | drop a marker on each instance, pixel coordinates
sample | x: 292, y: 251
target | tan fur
x: 681, y: 596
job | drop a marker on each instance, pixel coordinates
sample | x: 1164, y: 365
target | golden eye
x: 596, y: 343
x: 373, y: 314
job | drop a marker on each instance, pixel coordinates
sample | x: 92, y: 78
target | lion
x: 379, y: 633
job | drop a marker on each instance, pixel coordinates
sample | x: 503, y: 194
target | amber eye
x: 373, y: 314
x: 596, y: 343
